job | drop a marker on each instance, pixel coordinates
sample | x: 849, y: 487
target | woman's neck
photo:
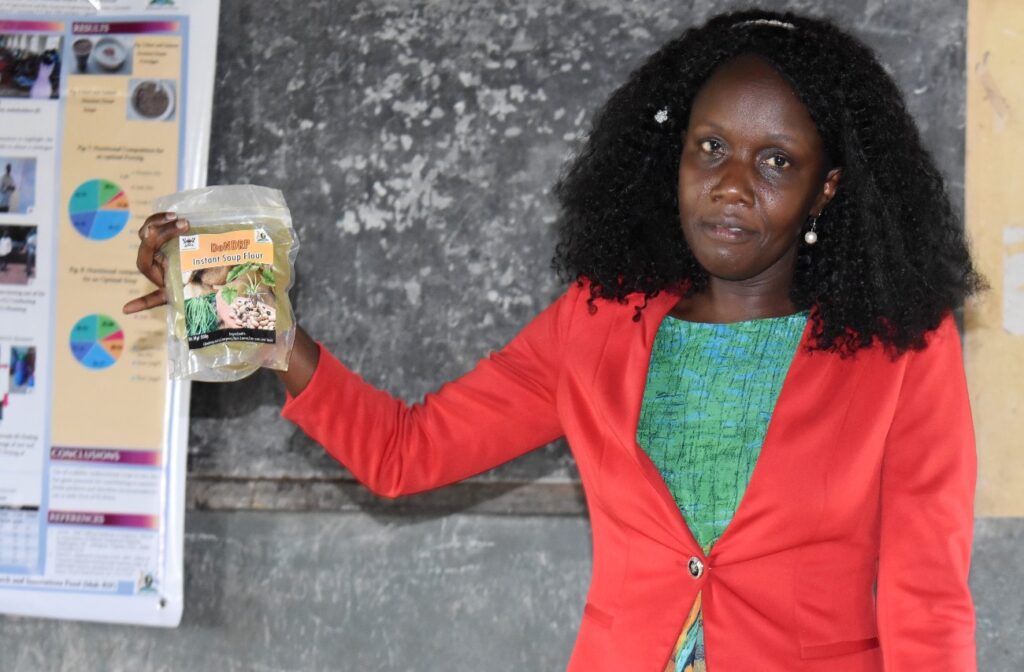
x: 735, y: 301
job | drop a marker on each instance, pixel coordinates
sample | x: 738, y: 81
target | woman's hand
x: 156, y: 231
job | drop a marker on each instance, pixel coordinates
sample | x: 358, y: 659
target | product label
x: 229, y: 287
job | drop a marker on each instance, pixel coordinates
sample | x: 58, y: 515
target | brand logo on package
x: 261, y: 236
x: 187, y: 243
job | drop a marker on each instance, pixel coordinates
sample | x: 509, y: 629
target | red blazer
x: 865, y: 483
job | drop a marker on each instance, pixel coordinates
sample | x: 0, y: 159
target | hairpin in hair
x: 765, y: 22
x: 661, y: 116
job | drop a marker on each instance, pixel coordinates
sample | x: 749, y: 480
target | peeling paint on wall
x: 1013, y: 280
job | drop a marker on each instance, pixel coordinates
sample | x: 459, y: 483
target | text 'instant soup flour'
x: 227, y: 282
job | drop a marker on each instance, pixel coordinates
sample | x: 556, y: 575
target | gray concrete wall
x: 427, y: 243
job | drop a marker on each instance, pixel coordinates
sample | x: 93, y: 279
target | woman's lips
x: 729, y: 232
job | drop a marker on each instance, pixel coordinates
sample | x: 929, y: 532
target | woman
x: 6, y: 249
x: 766, y: 262
x: 7, y: 188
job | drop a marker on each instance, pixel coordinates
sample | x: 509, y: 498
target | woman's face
x: 753, y: 169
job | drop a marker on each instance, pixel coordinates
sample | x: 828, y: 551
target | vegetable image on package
x: 231, y: 301
x: 228, y: 282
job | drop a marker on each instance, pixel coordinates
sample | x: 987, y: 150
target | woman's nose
x: 733, y: 184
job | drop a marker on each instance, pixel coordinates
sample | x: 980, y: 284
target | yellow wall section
x: 994, y: 340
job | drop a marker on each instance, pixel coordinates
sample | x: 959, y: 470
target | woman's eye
x: 710, y: 146
x: 778, y: 161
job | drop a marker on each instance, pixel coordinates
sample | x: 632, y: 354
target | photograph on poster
x: 151, y: 100
x: 30, y: 65
x: 22, y: 364
x: 17, y: 374
x: 106, y: 55
x: 17, y: 185
x: 18, y: 245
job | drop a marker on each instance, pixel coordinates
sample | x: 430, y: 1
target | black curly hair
x: 892, y: 258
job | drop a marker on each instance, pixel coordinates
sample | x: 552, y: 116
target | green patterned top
x: 711, y: 390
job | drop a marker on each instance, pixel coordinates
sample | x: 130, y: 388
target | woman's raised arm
x: 501, y: 409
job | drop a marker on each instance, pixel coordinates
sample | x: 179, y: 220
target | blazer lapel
x: 621, y: 378
x: 787, y: 489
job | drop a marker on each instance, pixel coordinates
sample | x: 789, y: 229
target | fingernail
x: 170, y: 216
x: 182, y: 224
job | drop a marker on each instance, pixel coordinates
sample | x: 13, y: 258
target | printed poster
x: 104, y: 106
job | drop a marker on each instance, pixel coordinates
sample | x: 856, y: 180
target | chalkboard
x: 416, y: 143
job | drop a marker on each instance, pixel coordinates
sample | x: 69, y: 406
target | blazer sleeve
x: 502, y: 408
x: 925, y: 612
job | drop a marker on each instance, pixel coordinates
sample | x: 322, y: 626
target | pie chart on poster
x: 99, y: 209
x: 97, y: 341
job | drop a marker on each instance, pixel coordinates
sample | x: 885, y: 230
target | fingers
x: 154, y: 233
x: 157, y: 297
x: 155, y: 220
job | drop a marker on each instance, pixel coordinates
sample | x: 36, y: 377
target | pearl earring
x: 811, y: 237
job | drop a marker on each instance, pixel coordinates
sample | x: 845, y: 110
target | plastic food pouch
x: 227, y: 282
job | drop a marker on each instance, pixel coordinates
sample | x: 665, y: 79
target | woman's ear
x: 828, y: 190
